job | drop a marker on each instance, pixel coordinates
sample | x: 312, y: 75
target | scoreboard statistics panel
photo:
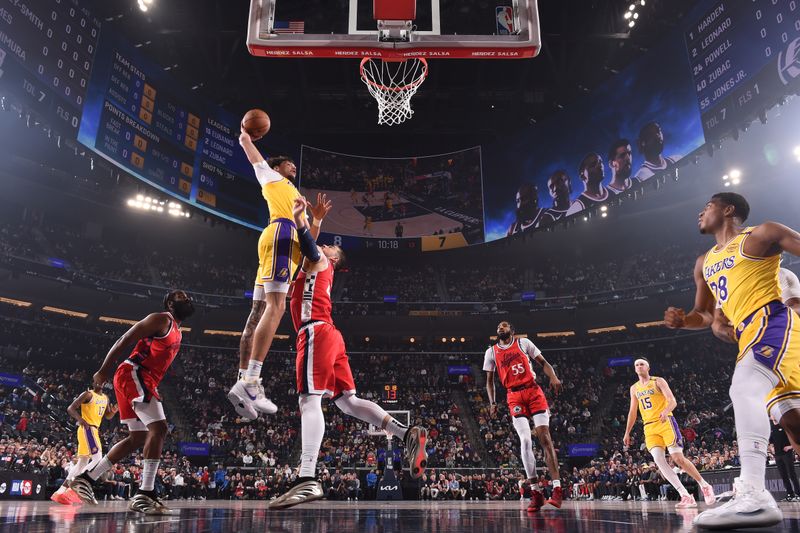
x: 743, y: 55
x: 46, y: 53
x: 139, y: 119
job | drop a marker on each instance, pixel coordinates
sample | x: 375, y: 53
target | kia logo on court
x: 789, y: 62
x: 389, y: 487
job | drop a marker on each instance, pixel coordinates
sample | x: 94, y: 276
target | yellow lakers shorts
x: 663, y: 434
x: 772, y: 334
x: 278, y: 253
x: 89, y: 441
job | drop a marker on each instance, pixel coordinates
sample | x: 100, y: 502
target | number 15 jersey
x: 512, y: 362
x: 741, y: 284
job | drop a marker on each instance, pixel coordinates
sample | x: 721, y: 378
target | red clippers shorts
x: 322, y: 364
x: 527, y: 402
x: 133, y: 384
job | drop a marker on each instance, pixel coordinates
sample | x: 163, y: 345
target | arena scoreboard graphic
x: 390, y: 393
x: 742, y: 55
x: 47, y: 48
x: 136, y: 117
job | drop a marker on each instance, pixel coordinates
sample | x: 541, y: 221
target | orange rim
x: 416, y: 83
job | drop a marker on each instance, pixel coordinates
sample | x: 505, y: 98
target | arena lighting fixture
x: 797, y: 152
x: 366, y: 339
x: 444, y: 339
x: 650, y: 324
x: 144, y: 5
x: 736, y: 173
x: 222, y: 332
x: 604, y: 215
x: 631, y: 24
x: 412, y: 340
x: 65, y: 312
x: 452, y: 339
x: 736, y: 181
x: 604, y: 208
x: 16, y: 303
x: 586, y: 219
x: 463, y: 339
x: 627, y: 15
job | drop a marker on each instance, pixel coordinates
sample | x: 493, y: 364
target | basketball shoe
x: 686, y: 502
x: 537, y: 501
x: 304, y: 491
x: 748, y: 508
x: 148, y: 503
x: 557, y: 497
x: 417, y: 457
x: 82, y: 485
x: 248, y: 399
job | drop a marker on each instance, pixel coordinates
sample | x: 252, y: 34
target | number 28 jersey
x: 512, y: 362
x: 741, y: 284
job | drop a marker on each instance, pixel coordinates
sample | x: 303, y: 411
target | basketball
x: 256, y: 123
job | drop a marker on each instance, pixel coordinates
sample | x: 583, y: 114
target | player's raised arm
x: 318, y: 213
x: 74, y: 409
x: 246, y: 142
x: 313, y: 258
x: 702, y: 315
x: 770, y: 238
x: 672, y: 403
x: 626, y: 440
x: 155, y: 324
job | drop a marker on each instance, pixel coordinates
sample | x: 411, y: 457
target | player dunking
x: 278, y: 255
x: 511, y: 358
x: 88, y: 410
x: 656, y: 402
x: 739, y: 277
x: 158, y: 339
x: 323, y: 369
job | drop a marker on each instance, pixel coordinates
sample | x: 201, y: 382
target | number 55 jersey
x: 512, y: 363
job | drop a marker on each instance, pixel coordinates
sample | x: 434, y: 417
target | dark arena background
x: 539, y: 165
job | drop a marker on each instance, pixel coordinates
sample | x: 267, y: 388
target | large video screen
x: 400, y: 197
x: 635, y: 126
x: 136, y: 116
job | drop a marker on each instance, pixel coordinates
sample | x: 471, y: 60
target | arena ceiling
x: 202, y: 43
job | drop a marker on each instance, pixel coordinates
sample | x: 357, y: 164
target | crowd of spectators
x: 56, y: 364
x: 94, y: 257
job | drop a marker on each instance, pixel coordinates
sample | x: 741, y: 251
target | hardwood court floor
x: 372, y: 517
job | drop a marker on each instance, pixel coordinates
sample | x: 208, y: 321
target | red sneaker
x: 72, y: 497
x: 556, y: 499
x: 61, y: 498
x: 537, y: 501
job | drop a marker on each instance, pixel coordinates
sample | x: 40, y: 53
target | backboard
x: 441, y: 29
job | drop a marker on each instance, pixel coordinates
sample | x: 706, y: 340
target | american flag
x: 292, y: 26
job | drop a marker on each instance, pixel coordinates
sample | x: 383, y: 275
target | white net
x: 392, y: 84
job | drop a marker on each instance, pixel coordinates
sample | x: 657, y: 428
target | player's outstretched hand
x: 322, y: 206
x: 244, y: 137
x: 674, y: 317
x: 555, y: 385
x: 493, y: 410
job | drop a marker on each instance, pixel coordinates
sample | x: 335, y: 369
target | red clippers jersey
x: 155, y: 354
x: 311, y: 297
x: 512, y: 364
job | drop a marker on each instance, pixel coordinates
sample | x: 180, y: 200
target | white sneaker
x: 248, y: 399
x: 747, y: 508
x: 686, y: 502
x: 708, y: 494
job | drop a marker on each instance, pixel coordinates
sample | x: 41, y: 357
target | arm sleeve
x: 488, y: 361
x: 264, y: 174
x: 529, y: 348
x: 790, y: 285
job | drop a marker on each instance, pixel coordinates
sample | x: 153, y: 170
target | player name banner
x: 22, y: 486
x: 11, y: 380
x: 722, y: 480
x: 459, y: 370
x: 194, y: 448
x: 583, y: 450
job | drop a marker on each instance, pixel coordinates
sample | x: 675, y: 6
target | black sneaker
x: 417, y: 457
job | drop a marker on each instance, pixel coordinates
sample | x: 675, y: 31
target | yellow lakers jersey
x: 651, y: 402
x: 740, y: 283
x: 93, y: 410
x: 280, y: 196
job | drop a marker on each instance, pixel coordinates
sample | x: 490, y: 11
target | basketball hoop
x: 393, y: 83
